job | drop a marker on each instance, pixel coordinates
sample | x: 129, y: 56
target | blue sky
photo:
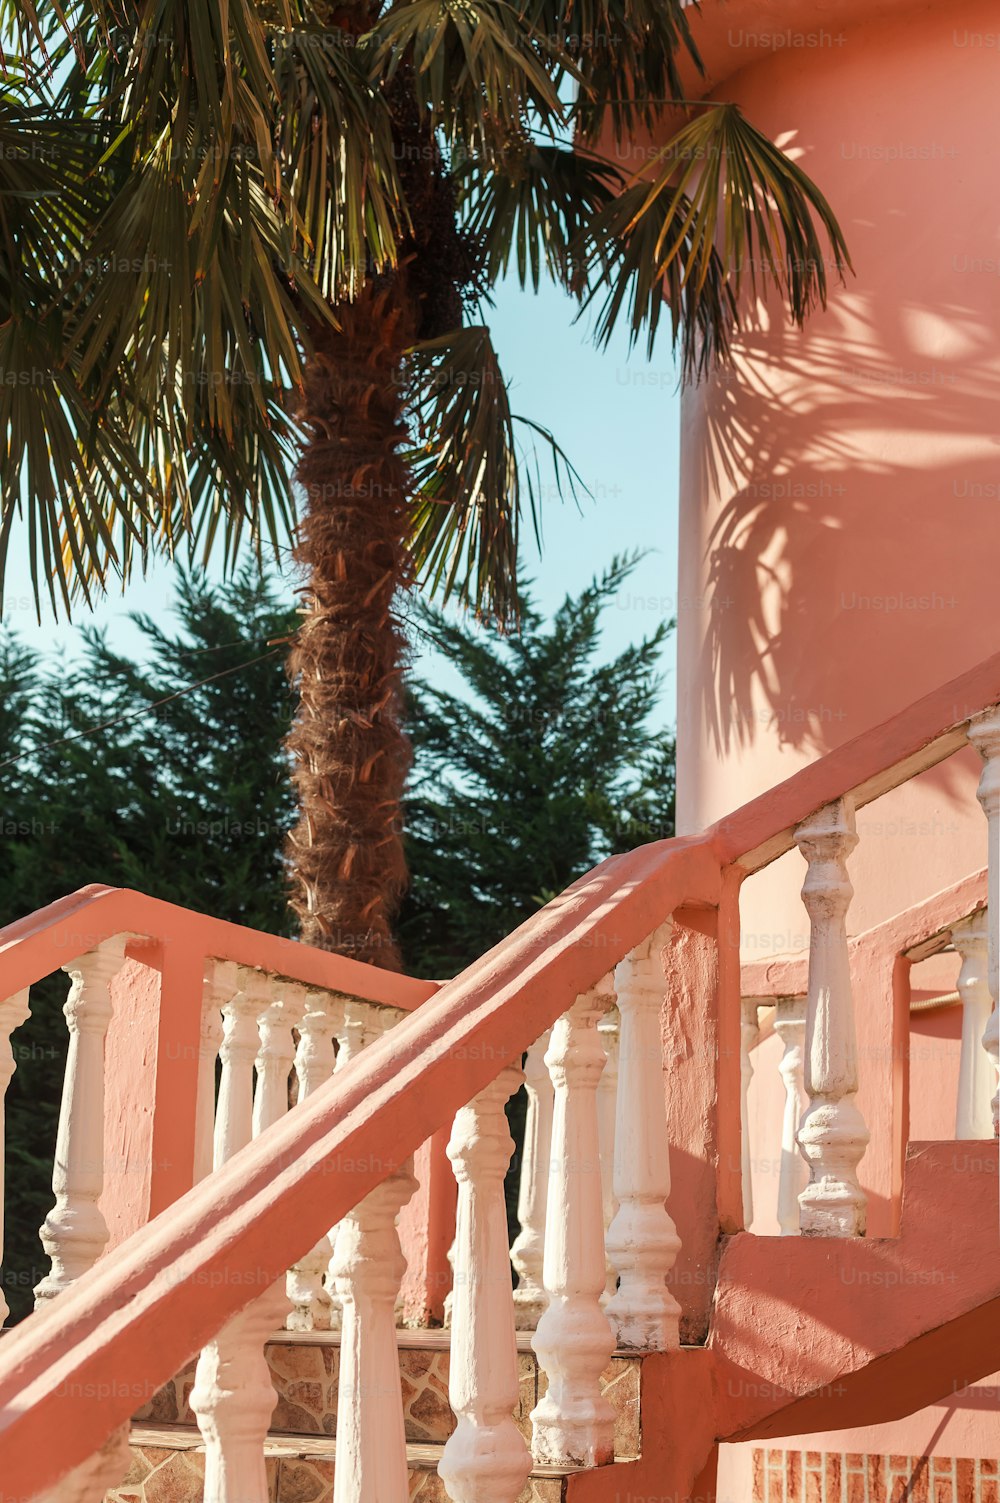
x: 616, y: 416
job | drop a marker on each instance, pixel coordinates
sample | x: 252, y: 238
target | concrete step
x: 168, y: 1466
x: 305, y: 1367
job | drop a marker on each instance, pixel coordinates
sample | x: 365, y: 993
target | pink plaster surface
x: 840, y: 526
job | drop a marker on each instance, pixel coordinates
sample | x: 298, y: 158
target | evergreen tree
x: 551, y: 767
x: 109, y: 774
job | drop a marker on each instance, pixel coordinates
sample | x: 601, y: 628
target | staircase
x: 168, y: 1451
x: 227, y: 1273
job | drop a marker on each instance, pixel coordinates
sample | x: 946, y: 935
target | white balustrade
x: 74, y: 1234
x: 528, y: 1250
x: 358, y: 1024
x: 609, y: 1029
x: 314, y: 1064
x: 642, y: 1239
x: 276, y: 1054
x: 749, y: 1034
x: 238, y: 1054
x: 832, y: 1135
x: 573, y: 1423
x: 486, y: 1459
x: 219, y: 988
x: 233, y: 1397
x: 790, y: 1026
x: 368, y: 1266
x: 13, y: 1012
x: 984, y: 734
x: 976, y: 1071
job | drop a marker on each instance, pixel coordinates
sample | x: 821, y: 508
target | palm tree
x: 264, y: 240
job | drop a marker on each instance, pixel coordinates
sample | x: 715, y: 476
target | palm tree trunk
x: 349, y: 751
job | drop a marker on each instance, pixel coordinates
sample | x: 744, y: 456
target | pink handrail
x: 40, y: 943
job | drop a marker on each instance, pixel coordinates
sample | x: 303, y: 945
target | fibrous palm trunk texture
x: 349, y: 750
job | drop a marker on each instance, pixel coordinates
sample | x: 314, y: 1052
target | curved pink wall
x: 840, y: 529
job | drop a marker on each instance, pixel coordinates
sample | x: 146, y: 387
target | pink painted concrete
x: 70, y: 1374
x: 840, y: 527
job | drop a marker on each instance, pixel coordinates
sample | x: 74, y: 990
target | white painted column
x: 976, y: 1071
x: 528, y: 1250
x: 314, y: 1062
x: 790, y: 1026
x: 220, y: 987
x: 749, y: 1034
x: 984, y: 734
x: 74, y: 1233
x: 238, y: 1054
x: 233, y: 1397
x: 485, y: 1459
x: 573, y: 1423
x: 832, y: 1135
x: 13, y: 1012
x: 609, y: 1029
x: 357, y: 1025
x: 642, y: 1240
x: 368, y: 1266
x: 276, y: 1054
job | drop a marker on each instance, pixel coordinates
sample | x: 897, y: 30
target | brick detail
x: 846, y: 1477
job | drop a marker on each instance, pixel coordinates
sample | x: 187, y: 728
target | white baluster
x: 357, y: 1025
x: 220, y: 987
x: 485, y: 1460
x: 642, y: 1239
x: 74, y: 1233
x: 13, y: 1012
x: 368, y: 1266
x: 573, y: 1423
x: 276, y: 1054
x: 609, y: 1029
x: 976, y: 1072
x: 314, y: 1063
x: 832, y: 1135
x: 238, y: 1054
x: 749, y: 1034
x: 528, y: 1249
x: 233, y: 1397
x: 790, y: 1026
x: 991, y: 1043
x: 984, y: 734
x: 95, y: 1476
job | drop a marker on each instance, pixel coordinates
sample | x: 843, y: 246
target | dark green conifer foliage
x: 543, y: 765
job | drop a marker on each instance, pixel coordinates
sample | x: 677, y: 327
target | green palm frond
x: 471, y: 487
x: 480, y: 71
x: 338, y: 156
x: 534, y: 208
x: 628, y: 57
x: 723, y: 208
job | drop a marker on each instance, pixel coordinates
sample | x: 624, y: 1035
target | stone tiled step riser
x: 305, y: 1377
x: 170, y: 1469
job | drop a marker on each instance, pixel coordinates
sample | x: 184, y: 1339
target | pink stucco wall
x: 840, y: 506
x: 840, y: 526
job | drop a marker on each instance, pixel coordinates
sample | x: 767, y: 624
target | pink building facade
x: 840, y: 545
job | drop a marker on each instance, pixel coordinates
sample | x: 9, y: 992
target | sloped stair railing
x: 209, y: 1272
